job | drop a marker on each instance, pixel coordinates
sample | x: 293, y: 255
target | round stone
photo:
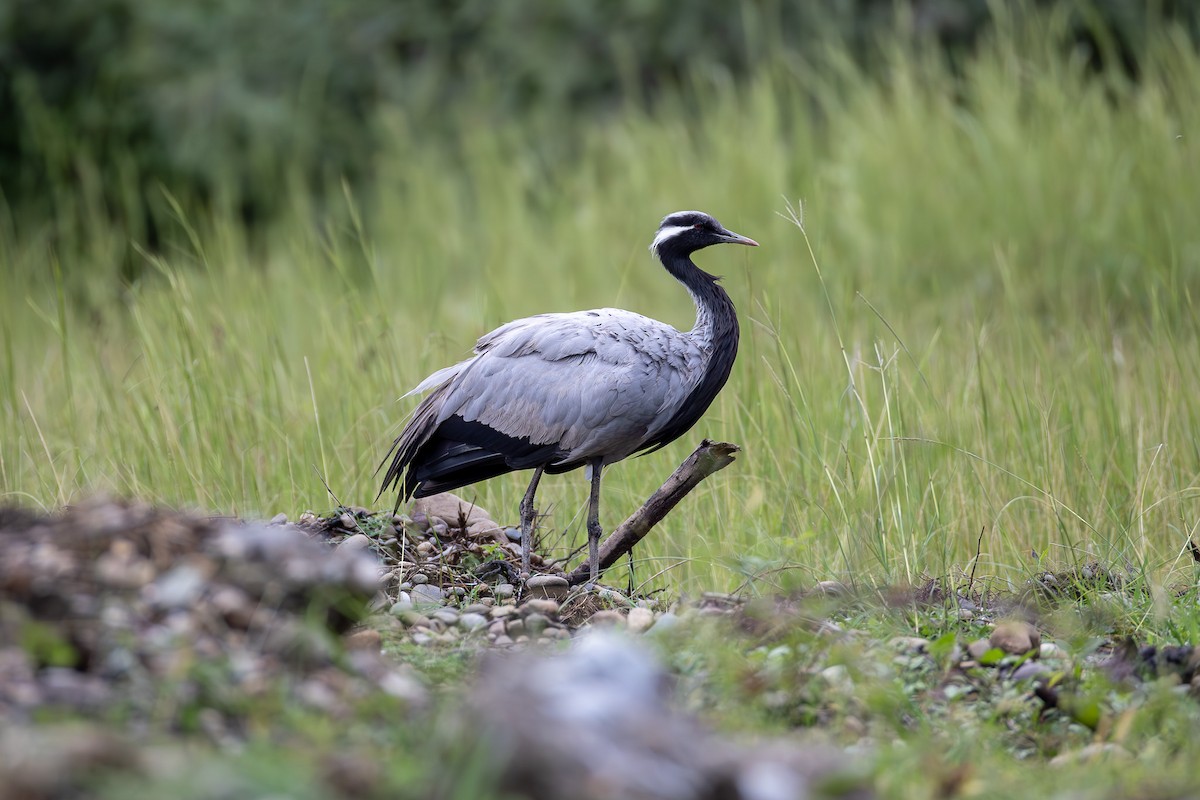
x: 472, y: 622
x: 640, y: 620
x: 553, y: 587
x: 1016, y: 637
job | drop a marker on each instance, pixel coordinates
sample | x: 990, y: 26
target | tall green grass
x: 979, y: 319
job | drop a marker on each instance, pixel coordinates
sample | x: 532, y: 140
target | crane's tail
x: 404, y: 449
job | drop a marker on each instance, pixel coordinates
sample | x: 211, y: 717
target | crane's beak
x: 737, y: 238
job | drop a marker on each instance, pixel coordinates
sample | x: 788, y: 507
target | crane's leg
x: 528, y: 518
x: 593, y: 523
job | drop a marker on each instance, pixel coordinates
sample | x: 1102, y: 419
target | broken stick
x: 708, y: 458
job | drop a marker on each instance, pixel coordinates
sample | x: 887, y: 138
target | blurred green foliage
x: 234, y: 103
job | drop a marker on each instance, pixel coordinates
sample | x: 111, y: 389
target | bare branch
x: 708, y: 458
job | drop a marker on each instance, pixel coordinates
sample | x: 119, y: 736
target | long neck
x: 716, y: 328
x: 715, y: 333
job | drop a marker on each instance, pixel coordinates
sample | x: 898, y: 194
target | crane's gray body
x: 597, y: 384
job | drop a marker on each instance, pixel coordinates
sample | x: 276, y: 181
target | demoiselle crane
x: 554, y: 392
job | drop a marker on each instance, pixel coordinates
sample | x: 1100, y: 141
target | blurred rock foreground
x: 184, y: 626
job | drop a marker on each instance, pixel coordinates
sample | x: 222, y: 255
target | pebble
x: 513, y: 534
x: 427, y: 595
x: 446, y: 615
x: 833, y: 588
x: 419, y: 578
x: 179, y: 588
x: 540, y: 605
x: 978, y: 648
x: 640, y: 620
x: 425, y: 548
x: 1016, y: 637
x: 515, y: 628
x: 1051, y: 650
x: 472, y: 622
x: 612, y: 596
x: 359, y: 541
x: 499, y: 612
x: 400, y: 606
x: 504, y: 590
x: 347, y: 522
x: 279, y: 519
x: 1030, y: 670
x: 496, y: 628
x: 606, y: 618
x: 551, y: 586
x: 369, y: 640
x: 413, y: 618
x: 476, y: 608
x: 535, y: 623
x: 966, y: 614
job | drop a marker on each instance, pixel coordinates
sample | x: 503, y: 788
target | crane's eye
x: 699, y: 226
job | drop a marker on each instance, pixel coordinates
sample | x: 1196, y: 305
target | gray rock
x: 540, y: 605
x: 401, y: 606
x: 359, y: 541
x: 503, y: 591
x: 446, y: 615
x: 279, y: 519
x: 1016, y: 637
x: 485, y: 529
x: 640, y: 620
x: 179, y: 588
x: 535, y: 623
x: 427, y: 595
x: 419, y: 578
x: 472, y: 622
x: 833, y: 588
x: 553, y: 587
x: 450, y: 508
x: 978, y: 648
x: 476, y: 608
x: 513, y: 534
x: 1030, y: 670
x: 347, y: 522
x: 606, y: 618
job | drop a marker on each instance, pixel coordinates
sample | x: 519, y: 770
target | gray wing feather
x: 593, y: 381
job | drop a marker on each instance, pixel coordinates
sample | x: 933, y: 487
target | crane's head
x: 687, y: 231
